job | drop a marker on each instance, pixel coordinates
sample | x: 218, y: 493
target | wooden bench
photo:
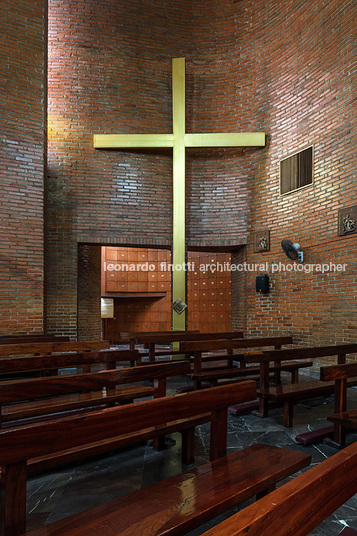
x: 342, y: 418
x: 21, y: 339
x: 213, y: 376
x: 45, y: 364
x: 289, y: 394
x: 172, y: 506
x: 46, y: 348
x: 173, y: 336
x: 299, y: 506
x: 197, y: 348
x: 23, y: 399
x: 130, y: 336
x: 56, y: 397
x: 49, y: 347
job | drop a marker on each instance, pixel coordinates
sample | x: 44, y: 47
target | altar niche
x: 178, y: 141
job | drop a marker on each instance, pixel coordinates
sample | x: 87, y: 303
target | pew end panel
x: 342, y: 375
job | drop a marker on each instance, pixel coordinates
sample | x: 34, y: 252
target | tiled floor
x: 73, y: 489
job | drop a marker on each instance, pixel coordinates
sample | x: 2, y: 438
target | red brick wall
x: 89, y: 292
x: 22, y: 141
x: 301, y: 56
x: 283, y: 68
x: 221, y: 96
x: 110, y: 72
x: 107, y: 74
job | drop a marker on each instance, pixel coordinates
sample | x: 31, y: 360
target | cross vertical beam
x: 179, y: 231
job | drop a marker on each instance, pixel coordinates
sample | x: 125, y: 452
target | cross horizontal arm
x: 242, y: 139
x: 125, y: 141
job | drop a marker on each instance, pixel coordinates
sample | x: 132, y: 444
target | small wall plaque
x: 107, y: 307
x: 347, y: 220
x: 261, y: 241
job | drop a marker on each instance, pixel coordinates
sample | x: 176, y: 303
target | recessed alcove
x: 139, y: 282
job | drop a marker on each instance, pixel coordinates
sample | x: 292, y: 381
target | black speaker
x: 262, y: 284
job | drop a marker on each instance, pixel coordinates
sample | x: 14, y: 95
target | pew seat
x: 346, y: 418
x: 177, y: 504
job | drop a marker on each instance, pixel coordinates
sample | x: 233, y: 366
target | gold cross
x: 179, y: 140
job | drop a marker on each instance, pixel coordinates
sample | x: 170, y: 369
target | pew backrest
x: 21, y: 339
x: 338, y: 372
x: 196, y: 348
x: 15, y: 365
x: 133, y: 334
x: 340, y: 350
x: 17, y: 445
x: 18, y: 390
x: 221, y: 344
x: 174, y: 336
x: 48, y: 347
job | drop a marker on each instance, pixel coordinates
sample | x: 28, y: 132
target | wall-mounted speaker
x: 262, y: 284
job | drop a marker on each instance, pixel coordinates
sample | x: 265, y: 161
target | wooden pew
x: 47, y: 363
x: 21, y: 339
x: 342, y: 418
x: 22, y: 399
x: 288, y: 394
x: 213, y: 376
x: 299, y: 506
x: 58, y: 396
x: 130, y: 336
x: 49, y: 347
x: 173, y: 336
x: 172, y: 506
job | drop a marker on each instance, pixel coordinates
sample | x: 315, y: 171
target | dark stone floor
x: 74, y: 489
